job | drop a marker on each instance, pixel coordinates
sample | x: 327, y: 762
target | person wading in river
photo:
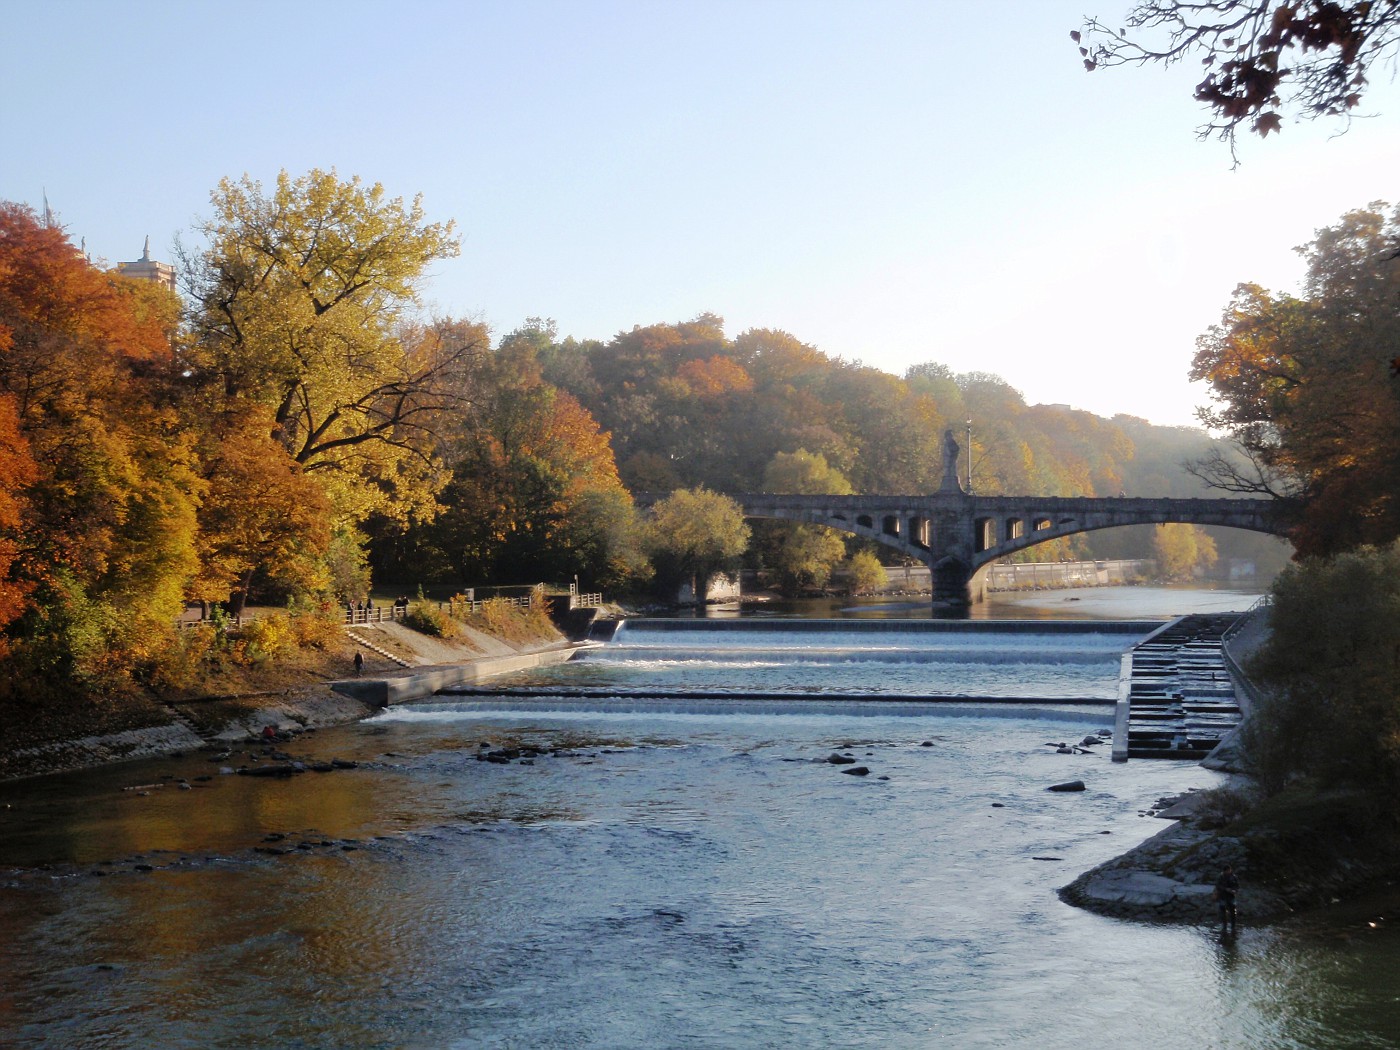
x: 1227, y: 887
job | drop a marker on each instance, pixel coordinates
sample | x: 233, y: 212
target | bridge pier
x: 949, y: 580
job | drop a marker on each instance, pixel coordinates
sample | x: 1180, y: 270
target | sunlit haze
x: 892, y: 182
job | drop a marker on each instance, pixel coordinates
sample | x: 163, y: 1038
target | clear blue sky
x: 893, y: 182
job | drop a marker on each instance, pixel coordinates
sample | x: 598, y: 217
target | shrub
x: 182, y: 663
x: 865, y: 573
x: 427, y: 618
x: 513, y: 623
x: 1222, y: 806
x: 316, y: 626
x: 265, y: 638
x: 1329, y: 675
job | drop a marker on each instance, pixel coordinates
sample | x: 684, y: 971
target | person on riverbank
x: 1227, y: 888
x: 359, y: 662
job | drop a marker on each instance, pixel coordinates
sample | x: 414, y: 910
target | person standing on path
x: 359, y: 662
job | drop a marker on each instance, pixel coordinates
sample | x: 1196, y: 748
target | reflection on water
x: 717, y: 888
x: 1154, y: 602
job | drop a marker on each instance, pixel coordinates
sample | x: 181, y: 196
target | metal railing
x: 361, y: 614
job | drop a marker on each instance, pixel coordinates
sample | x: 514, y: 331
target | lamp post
x: 969, y: 457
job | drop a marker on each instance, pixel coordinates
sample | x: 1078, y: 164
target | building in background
x: 147, y: 269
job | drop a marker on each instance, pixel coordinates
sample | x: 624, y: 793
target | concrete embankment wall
x: 1028, y: 576
x: 384, y: 692
x: 1045, y: 575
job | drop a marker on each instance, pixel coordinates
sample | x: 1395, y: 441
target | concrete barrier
x: 417, y: 685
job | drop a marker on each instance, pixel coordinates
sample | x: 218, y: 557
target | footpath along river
x: 681, y: 873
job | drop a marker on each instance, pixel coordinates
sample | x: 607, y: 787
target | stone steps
x: 359, y: 639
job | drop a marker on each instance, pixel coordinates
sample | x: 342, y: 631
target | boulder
x: 1068, y: 785
x: 858, y: 771
x: 276, y: 770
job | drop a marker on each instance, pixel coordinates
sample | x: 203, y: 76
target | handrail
x: 359, y: 615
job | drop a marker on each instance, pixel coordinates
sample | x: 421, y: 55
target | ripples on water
x: 688, y: 876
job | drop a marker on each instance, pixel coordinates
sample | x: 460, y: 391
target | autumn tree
x: 106, y: 541
x: 301, y: 296
x: 1304, y: 385
x: 800, y: 556
x: 1261, y: 59
x: 17, y: 472
x: 693, y: 534
x: 1180, y: 550
x: 534, y: 492
x: 260, y: 513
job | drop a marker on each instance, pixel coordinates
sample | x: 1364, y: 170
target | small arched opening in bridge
x: 1015, y: 528
x: 920, y: 532
x: 890, y: 525
x: 865, y: 521
x: 984, y: 534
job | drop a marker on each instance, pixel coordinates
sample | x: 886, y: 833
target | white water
x: 813, y: 658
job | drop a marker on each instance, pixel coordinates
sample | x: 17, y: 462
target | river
x: 679, y: 867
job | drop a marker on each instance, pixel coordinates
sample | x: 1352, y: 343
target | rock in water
x: 858, y: 771
x: 1068, y: 785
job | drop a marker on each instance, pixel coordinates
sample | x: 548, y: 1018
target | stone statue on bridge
x: 950, y: 463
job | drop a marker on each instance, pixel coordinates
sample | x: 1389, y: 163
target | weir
x: 969, y: 628
x: 875, y: 662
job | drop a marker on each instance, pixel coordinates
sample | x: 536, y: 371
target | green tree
x: 800, y: 556
x: 865, y: 573
x: 693, y: 534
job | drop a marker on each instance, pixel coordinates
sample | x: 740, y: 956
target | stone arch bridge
x: 958, y: 535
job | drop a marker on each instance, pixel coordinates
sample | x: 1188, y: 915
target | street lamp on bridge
x: 969, y: 457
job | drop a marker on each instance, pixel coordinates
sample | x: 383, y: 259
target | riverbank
x: 1295, y: 852
x: 313, y: 690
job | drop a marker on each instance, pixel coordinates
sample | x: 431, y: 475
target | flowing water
x: 679, y: 866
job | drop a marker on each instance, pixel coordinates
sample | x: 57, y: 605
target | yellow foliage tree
x: 300, y: 300
x: 1182, y: 549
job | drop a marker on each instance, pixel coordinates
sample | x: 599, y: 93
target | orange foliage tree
x: 535, y: 491
x: 17, y: 471
x: 108, y: 517
x: 1305, y: 385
